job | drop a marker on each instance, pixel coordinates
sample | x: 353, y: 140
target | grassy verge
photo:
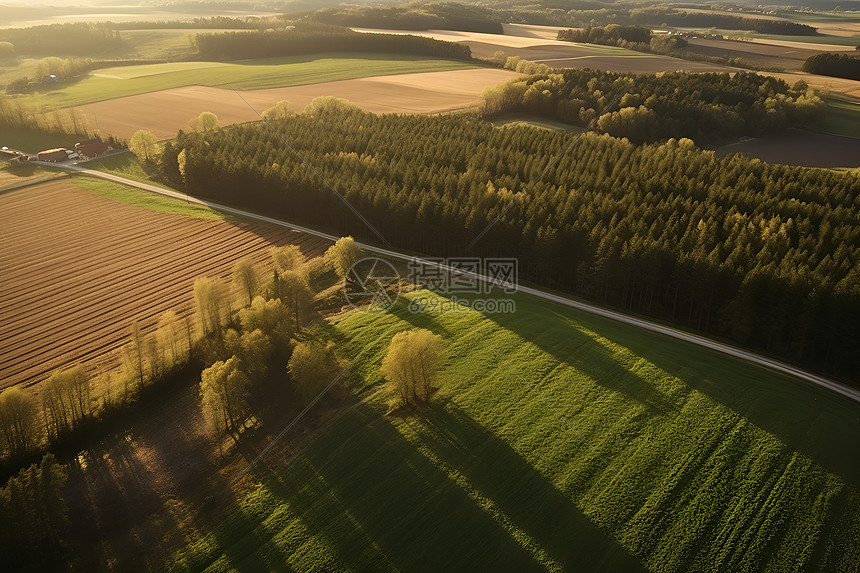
x: 145, y: 199
x: 559, y: 441
x: 110, y: 83
x: 843, y: 118
x: 126, y: 165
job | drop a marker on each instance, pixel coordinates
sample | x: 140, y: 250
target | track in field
x: 76, y: 269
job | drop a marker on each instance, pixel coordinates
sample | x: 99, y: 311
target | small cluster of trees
x: 317, y: 38
x: 835, y: 65
x: 61, y: 68
x: 412, y: 364
x: 262, y: 336
x: 35, y: 516
x: 702, y: 107
x: 637, y: 38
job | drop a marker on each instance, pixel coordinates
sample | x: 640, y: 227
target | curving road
x: 733, y: 351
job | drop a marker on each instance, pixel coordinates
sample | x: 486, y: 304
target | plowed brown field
x: 76, y: 269
x: 165, y: 112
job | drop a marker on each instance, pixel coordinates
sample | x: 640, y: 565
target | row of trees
x: 316, y: 38
x: 702, y: 107
x: 435, y: 16
x: 252, y: 319
x: 16, y: 114
x: 763, y: 254
x: 85, y: 39
x: 836, y: 65
x: 73, y: 398
x: 637, y: 38
x: 663, y: 16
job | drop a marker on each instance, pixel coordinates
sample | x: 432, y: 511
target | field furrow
x: 77, y: 269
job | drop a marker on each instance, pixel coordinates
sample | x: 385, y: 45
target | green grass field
x: 145, y: 199
x: 110, y: 83
x: 843, y: 118
x: 559, y: 441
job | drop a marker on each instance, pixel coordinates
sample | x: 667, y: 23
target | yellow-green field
x: 559, y: 441
x: 109, y: 83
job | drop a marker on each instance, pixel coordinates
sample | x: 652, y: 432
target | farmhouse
x: 57, y: 154
x: 91, y: 148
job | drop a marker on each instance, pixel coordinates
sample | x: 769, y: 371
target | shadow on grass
x: 817, y: 422
x: 450, y: 497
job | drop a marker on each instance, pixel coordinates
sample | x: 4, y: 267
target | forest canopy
x: 318, y: 38
x: 438, y: 16
x: 835, y: 65
x: 765, y: 255
x: 702, y: 107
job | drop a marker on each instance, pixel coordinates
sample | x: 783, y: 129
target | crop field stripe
x: 149, y: 260
x: 112, y: 83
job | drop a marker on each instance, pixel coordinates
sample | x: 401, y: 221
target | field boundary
x: 33, y: 181
x: 723, y: 348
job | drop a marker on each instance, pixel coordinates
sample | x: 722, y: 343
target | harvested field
x: 533, y: 45
x: 759, y: 54
x: 78, y: 268
x: 797, y: 147
x: 165, y: 112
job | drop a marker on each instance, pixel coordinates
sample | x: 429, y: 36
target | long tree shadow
x: 576, y: 349
x: 776, y: 404
x: 450, y: 497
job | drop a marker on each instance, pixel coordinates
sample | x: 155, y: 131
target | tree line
x: 762, y: 254
x: 67, y: 39
x: 319, y: 38
x: 432, y: 16
x: 666, y: 16
x: 835, y: 65
x: 702, y: 107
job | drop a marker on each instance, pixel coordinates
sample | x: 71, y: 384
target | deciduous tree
x: 312, y: 367
x: 18, y: 425
x: 412, y: 364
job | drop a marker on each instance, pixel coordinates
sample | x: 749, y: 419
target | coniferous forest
x: 763, y: 255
